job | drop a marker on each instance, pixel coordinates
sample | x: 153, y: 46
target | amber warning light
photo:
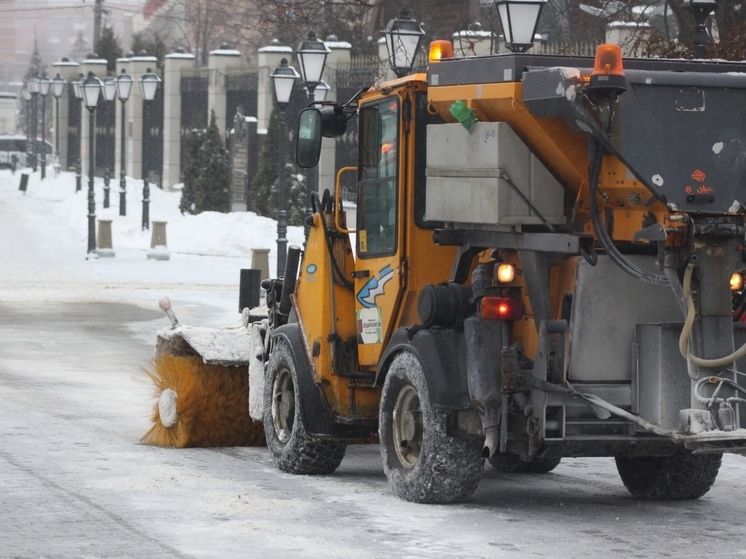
x: 608, y: 72
x: 440, y: 50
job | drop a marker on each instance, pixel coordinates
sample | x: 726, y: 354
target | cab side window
x: 377, y: 179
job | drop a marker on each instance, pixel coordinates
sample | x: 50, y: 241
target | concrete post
x: 98, y: 67
x: 174, y: 64
x: 383, y: 56
x: 260, y: 261
x: 69, y: 71
x: 136, y: 67
x: 269, y: 59
x: 105, y: 248
x: 474, y: 42
x: 339, y: 57
x: 220, y: 60
x: 625, y: 34
x: 158, y: 245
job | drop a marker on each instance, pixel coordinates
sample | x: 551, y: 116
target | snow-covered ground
x: 46, y: 234
x: 75, y: 482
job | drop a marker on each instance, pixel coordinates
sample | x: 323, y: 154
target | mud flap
x: 442, y: 353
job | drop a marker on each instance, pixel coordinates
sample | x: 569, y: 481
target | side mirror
x: 315, y: 122
x: 308, y: 138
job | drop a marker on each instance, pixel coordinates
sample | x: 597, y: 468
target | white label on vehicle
x: 369, y: 329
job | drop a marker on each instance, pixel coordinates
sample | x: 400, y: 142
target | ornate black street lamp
x: 311, y: 56
x: 148, y: 86
x: 58, y: 87
x: 519, y: 19
x: 44, y: 85
x: 78, y: 92
x: 91, y: 90
x: 124, y: 87
x: 26, y: 94
x: 110, y: 94
x: 700, y: 9
x: 283, y: 79
x: 403, y: 38
x: 34, y: 86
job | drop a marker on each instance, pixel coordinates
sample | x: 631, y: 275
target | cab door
x: 379, y: 274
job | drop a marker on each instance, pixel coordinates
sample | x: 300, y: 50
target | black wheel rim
x: 407, y: 426
x: 283, y: 405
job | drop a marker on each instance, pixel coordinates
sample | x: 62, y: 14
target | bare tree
x: 203, y: 25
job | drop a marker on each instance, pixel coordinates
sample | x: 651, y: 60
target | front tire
x: 292, y: 449
x: 679, y: 477
x: 422, y: 462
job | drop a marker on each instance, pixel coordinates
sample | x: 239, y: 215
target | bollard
x: 24, y: 183
x: 260, y: 261
x: 249, y: 290
x: 105, y: 248
x: 158, y: 244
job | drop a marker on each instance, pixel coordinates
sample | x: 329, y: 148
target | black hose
x: 335, y: 265
x: 603, y: 236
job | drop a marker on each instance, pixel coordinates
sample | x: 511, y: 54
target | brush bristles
x: 212, y: 404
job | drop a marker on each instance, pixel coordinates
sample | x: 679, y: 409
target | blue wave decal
x: 374, y: 287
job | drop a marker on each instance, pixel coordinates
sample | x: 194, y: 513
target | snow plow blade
x: 201, y: 383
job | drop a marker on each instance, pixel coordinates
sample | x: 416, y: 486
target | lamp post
x: 519, y: 19
x: 110, y: 94
x: 312, y: 55
x: 58, y: 87
x: 44, y: 85
x: 283, y: 79
x: 78, y: 92
x: 700, y: 9
x: 312, y: 175
x: 148, y: 87
x: 124, y: 87
x: 34, y: 87
x: 403, y: 38
x: 26, y: 94
x: 91, y: 89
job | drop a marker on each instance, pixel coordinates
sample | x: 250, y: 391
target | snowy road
x: 76, y: 482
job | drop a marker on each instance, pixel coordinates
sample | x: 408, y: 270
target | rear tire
x: 679, y: 477
x: 292, y: 449
x: 422, y: 462
x: 512, y: 464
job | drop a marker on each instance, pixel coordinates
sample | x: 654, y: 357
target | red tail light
x: 501, y: 308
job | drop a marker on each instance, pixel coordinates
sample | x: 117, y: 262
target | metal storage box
x: 464, y: 184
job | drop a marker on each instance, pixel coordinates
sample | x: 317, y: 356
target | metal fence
x: 194, y: 103
x: 105, y: 136
x: 241, y: 90
x: 152, y: 138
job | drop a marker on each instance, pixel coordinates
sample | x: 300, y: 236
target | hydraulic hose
x: 603, y: 236
x: 691, y: 313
